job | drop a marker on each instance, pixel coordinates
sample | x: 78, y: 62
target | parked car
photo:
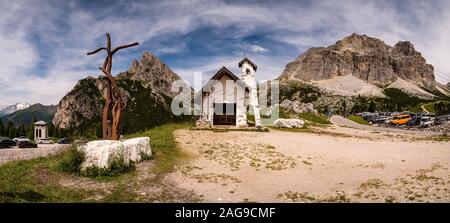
x: 380, y: 120
x: 400, y: 119
x: 45, y: 141
x: 64, y: 141
x: 4, y: 145
x: 7, y: 141
x: 414, y: 121
x: 388, y: 120
x: 371, y: 118
x: 20, y: 139
x: 426, y: 121
x: 27, y: 144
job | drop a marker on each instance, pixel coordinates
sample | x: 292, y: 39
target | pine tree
x: 22, y: 131
x: 10, y: 130
x: 56, y: 132
x: 372, y: 106
x: 31, y: 130
x: 51, y: 129
x: 344, y: 108
x: 2, y: 128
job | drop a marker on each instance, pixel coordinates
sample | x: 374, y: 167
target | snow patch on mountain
x: 13, y: 108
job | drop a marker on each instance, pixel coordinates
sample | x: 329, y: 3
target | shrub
x: 145, y: 156
x: 116, y: 167
x: 72, y: 160
x: 399, y: 100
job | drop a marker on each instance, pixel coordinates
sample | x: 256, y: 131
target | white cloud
x: 258, y: 49
x: 316, y: 23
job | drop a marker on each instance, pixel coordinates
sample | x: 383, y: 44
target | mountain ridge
x: 13, y: 108
x: 146, y: 86
x: 369, y: 59
x: 25, y: 116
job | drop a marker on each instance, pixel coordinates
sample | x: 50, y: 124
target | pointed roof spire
x: 248, y: 61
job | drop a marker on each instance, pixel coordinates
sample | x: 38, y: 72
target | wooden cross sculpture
x: 114, y: 102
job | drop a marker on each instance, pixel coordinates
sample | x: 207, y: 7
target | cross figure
x: 114, y: 101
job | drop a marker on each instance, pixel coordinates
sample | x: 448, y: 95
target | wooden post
x: 114, y: 101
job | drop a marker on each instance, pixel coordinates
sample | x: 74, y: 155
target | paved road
x: 11, y: 154
x: 343, y: 122
x: 424, y: 109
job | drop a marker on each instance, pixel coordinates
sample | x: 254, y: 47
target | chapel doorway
x: 224, y: 114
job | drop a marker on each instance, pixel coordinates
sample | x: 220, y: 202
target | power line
x: 442, y: 73
x: 446, y: 80
x: 442, y: 76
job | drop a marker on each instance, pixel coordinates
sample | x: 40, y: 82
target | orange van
x: 400, y: 119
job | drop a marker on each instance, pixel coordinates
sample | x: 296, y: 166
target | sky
x: 43, y: 43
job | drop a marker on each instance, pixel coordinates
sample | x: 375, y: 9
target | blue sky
x: 44, y: 43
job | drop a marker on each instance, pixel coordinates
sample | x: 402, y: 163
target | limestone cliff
x: 366, y: 58
x: 146, y: 87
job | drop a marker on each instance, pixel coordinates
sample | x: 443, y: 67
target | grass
x: 71, y: 161
x: 437, y: 138
x: 358, y: 119
x: 315, y: 118
x: 35, y: 181
x: 312, y: 118
x: 40, y: 179
x: 430, y: 107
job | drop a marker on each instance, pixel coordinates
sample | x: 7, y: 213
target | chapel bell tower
x: 248, y: 70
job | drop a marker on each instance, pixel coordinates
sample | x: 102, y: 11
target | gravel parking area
x: 15, y: 153
x: 343, y: 122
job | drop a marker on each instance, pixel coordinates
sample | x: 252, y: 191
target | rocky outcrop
x: 297, y: 106
x: 288, y: 123
x: 101, y: 153
x: 152, y: 73
x: 82, y: 103
x: 366, y: 58
x: 146, y: 87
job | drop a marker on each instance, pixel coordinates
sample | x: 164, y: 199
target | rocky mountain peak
x: 360, y: 44
x: 152, y: 72
x: 146, y: 86
x: 405, y: 48
x: 366, y: 58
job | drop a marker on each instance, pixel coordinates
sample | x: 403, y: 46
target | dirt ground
x: 336, y: 164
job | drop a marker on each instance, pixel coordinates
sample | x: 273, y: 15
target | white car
x: 45, y: 141
x: 426, y: 122
x: 21, y: 139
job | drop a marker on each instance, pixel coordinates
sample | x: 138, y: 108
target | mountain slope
x: 370, y: 60
x: 25, y: 116
x: 145, y: 86
x: 13, y: 108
